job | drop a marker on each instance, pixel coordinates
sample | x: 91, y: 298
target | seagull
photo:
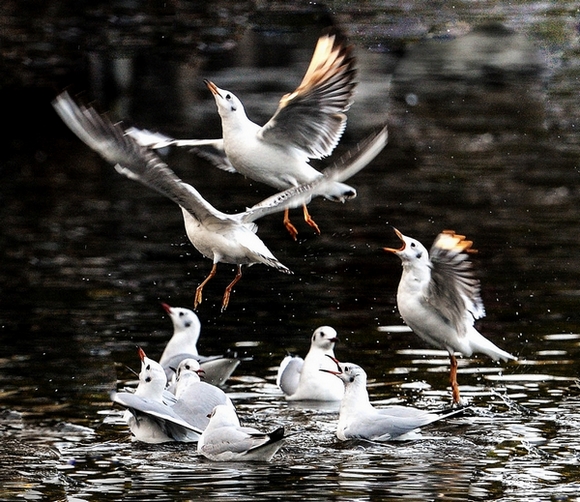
x: 196, y: 399
x: 301, y: 380
x: 149, y: 418
x: 224, y: 439
x: 221, y: 237
x: 439, y: 298
x: 308, y: 124
x: 183, y: 344
x: 358, y: 418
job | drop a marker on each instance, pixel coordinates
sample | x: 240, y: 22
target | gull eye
x: 181, y: 314
x: 228, y: 96
x: 187, y: 367
x: 413, y: 245
x: 148, y: 368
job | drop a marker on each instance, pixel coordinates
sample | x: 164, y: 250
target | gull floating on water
x: 301, y: 380
x: 439, y: 298
x: 308, y: 124
x: 183, y: 345
x: 150, y: 419
x: 196, y: 399
x: 224, y: 439
x: 221, y: 237
x: 358, y: 418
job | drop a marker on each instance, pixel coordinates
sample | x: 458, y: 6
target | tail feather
x: 481, y: 344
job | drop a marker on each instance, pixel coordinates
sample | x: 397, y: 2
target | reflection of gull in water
x: 183, y: 344
x: 224, y: 439
x: 438, y: 297
x: 308, y: 124
x: 358, y: 418
x: 149, y: 418
x: 226, y: 238
x: 301, y: 380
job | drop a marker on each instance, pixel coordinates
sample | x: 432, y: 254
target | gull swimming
x: 183, y: 345
x: 196, y: 399
x: 221, y: 237
x: 439, y: 298
x: 307, y: 124
x: 301, y: 380
x: 359, y: 419
x: 224, y: 439
x: 149, y: 418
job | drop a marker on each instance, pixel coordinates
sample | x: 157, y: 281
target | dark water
x: 483, y: 139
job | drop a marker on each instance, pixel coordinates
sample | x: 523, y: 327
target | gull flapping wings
x: 312, y: 117
x: 453, y: 289
x: 130, y: 158
x: 348, y: 165
x: 211, y: 150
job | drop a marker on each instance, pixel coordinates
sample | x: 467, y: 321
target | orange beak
x: 212, y: 87
x: 141, y: 353
x: 393, y: 250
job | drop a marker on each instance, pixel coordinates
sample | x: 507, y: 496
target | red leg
x: 228, y: 291
x: 291, y: 228
x: 199, y: 289
x: 453, y: 379
x: 308, y: 219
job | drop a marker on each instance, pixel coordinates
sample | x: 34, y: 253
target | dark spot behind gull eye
x: 148, y: 379
x: 187, y: 324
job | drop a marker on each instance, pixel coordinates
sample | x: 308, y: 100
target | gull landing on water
x: 308, y: 124
x: 221, y: 237
x: 439, y: 298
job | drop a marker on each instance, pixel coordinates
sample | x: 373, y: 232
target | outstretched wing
x: 211, y: 150
x: 130, y: 158
x: 312, y: 117
x: 453, y: 289
x: 344, y: 168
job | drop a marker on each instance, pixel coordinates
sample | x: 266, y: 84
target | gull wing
x: 453, y: 290
x: 211, y: 150
x: 152, y: 408
x: 130, y: 158
x: 344, y: 168
x: 312, y: 117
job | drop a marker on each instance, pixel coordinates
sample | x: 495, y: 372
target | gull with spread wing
x: 439, y: 298
x: 308, y: 124
x: 221, y: 237
x: 148, y: 414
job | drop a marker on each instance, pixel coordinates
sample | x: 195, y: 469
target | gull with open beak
x: 439, y: 298
x: 221, y: 237
x: 308, y: 124
x: 358, y: 418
